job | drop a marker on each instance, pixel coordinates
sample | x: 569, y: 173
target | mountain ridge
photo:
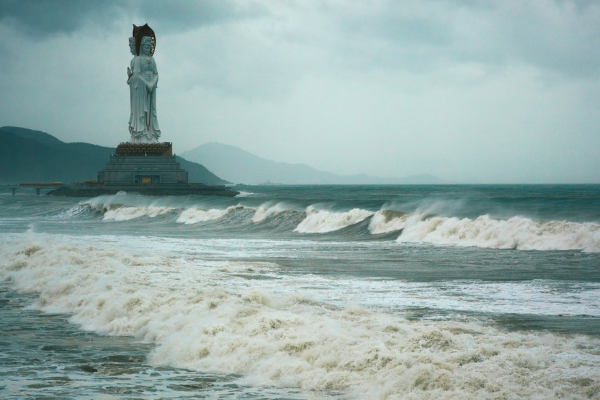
x: 240, y: 166
x: 28, y: 155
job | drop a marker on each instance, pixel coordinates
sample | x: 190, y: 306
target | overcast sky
x: 503, y: 91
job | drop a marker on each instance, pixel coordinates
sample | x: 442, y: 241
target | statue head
x: 140, y: 32
x: 132, y: 45
x: 146, y: 45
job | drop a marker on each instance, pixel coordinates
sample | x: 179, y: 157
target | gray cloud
x: 494, y: 91
x: 47, y: 17
x: 178, y: 16
x: 420, y: 36
x: 41, y: 18
x: 558, y: 36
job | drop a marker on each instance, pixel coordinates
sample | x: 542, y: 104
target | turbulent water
x: 309, y: 292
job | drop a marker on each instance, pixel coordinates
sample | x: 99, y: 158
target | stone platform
x: 146, y: 164
x: 145, y: 168
x: 93, y: 190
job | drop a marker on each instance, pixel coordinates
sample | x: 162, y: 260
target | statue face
x: 132, y: 45
x: 146, y: 45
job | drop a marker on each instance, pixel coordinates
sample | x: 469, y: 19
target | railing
x: 38, y: 186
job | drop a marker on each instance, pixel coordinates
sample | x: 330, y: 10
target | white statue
x: 143, y: 76
x: 132, y: 50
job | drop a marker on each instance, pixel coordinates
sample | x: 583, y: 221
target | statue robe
x: 143, y: 122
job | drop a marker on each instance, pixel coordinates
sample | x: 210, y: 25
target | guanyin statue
x: 142, y: 79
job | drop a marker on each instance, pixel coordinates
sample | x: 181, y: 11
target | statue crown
x: 139, y: 32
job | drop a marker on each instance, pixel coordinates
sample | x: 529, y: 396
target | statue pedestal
x: 143, y: 164
x: 147, y: 169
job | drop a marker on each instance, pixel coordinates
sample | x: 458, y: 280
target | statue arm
x: 154, y: 79
x: 151, y: 83
x: 130, y: 70
x: 150, y: 77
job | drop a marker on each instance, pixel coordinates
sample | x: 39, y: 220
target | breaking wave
x: 515, y: 233
x: 113, y: 207
x: 74, y: 211
x: 268, y: 210
x: 386, y: 221
x: 220, y: 318
x: 322, y: 221
x: 420, y: 226
x: 121, y: 213
x: 195, y: 215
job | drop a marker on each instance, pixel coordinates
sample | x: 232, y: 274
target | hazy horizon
x: 494, y: 92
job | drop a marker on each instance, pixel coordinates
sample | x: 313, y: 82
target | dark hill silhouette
x: 38, y: 136
x: 32, y: 156
x: 239, y: 166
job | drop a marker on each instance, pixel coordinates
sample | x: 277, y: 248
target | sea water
x: 303, y: 292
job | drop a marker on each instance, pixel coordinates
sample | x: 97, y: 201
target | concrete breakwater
x: 85, y: 190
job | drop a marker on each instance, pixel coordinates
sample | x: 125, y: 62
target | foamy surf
x: 323, y: 221
x: 219, y: 317
x: 267, y: 210
x: 194, y: 215
x: 246, y: 194
x: 386, y: 221
x: 116, y: 213
x: 74, y: 211
x: 122, y: 207
x: 515, y: 233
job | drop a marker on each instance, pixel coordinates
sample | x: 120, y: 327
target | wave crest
x: 129, y: 213
x: 515, y: 233
x: 113, y: 207
x: 268, y: 210
x: 322, y: 221
x: 386, y: 221
x: 194, y: 215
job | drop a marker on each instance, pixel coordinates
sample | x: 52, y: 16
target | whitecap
x: 386, y: 221
x: 197, y: 319
x: 322, y: 221
x: 194, y: 215
x: 515, y: 233
x: 268, y: 210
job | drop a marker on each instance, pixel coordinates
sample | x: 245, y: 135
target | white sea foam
x: 129, y: 213
x: 74, y: 211
x: 115, y: 207
x: 245, y: 194
x: 385, y: 221
x: 268, y: 210
x: 514, y: 233
x: 214, y: 317
x: 211, y: 318
x: 194, y: 215
x: 322, y: 221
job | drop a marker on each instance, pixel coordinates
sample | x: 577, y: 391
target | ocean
x: 303, y: 292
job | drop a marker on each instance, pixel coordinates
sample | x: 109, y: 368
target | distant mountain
x: 33, y: 156
x: 239, y: 166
